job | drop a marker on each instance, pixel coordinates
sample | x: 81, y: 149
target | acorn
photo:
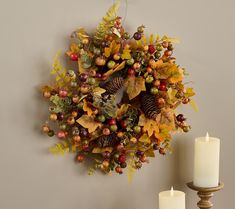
x: 75, y: 98
x: 120, y: 134
x: 105, y: 163
x: 84, y: 89
x: 71, y: 120
x: 45, y: 129
x: 106, y: 131
x: 76, y: 139
x: 116, y: 56
x: 100, y: 61
x: 136, y: 66
x: 133, y: 140
x: 118, y: 169
x: 164, y: 44
x: 47, y: 94
x: 80, y: 158
x: 85, y: 41
x: 53, y: 117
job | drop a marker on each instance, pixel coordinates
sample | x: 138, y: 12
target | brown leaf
x: 89, y: 123
x: 134, y: 86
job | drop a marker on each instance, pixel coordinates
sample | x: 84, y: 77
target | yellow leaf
x: 130, y: 174
x: 194, y: 105
x: 151, y: 39
x: 107, y: 52
x: 122, y: 110
x: 80, y: 68
x: 163, y: 135
x: 171, y: 95
x: 116, y: 69
x: 98, y: 91
x: 170, y: 39
x: 189, y: 92
x: 145, y: 139
x: 134, y: 86
x: 150, y: 126
x: 89, y: 123
x: 126, y: 55
x: 112, y: 49
x: 150, y: 153
x: 86, y: 108
x: 74, y: 47
x: 177, y: 74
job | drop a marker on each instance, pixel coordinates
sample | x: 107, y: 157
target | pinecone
x: 148, y: 106
x: 114, y: 85
x: 108, y: 141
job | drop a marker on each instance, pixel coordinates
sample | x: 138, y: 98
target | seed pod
x: 148, y: 105
x: 108, y: 140
x: 114, y: 85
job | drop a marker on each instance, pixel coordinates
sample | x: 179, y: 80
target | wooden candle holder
x: 205, y: 194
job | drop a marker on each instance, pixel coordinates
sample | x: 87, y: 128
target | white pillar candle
x: 206, y: 161
x: 172, y: 199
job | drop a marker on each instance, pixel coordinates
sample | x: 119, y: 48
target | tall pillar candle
x: 172, y: 199
x: 206, y: 161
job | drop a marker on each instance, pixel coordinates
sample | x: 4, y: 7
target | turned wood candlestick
x: 205, y: 194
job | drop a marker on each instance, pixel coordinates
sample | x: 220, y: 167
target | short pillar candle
x: 206, y: 162
x: 172, y: 199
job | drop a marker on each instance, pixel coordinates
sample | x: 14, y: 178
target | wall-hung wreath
x: 90, y: 120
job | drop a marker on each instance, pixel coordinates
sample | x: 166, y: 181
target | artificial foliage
x: 116, y: 108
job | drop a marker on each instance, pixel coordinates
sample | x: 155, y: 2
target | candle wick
x: 172, y: 191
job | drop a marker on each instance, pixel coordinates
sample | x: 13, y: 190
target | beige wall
x: 32, y: 32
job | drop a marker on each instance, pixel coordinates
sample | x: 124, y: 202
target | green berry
x: 51, y: 133
x: 80, y: 105
x: 154, y: 90
x: 123, y: 165
x: 137, y: 129
x: 130, y: 61
x: 111, y: 64
x: 91, y: 81
x: 159, y: 48
x: 63, y: 126
x: 126, y: 35
x: 149, y: 79
x: 101, y: 118
x: 113, y: 128
x: 186, y: 129
x: 73, y: 83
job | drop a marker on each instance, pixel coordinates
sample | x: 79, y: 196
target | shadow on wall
x: 183, y: 160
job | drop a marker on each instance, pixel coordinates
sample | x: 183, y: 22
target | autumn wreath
x: 118, y: 106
